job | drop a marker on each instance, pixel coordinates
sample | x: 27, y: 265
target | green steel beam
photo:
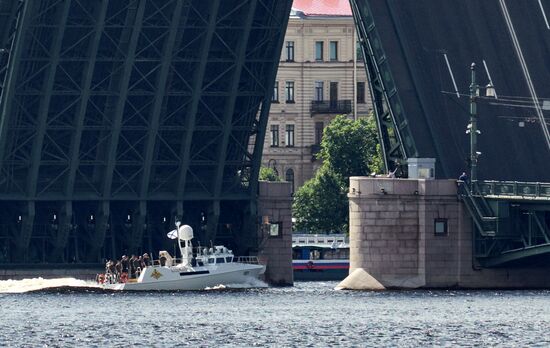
x: 185, y: 151
x: 515, y: 255
x: 229, y: 108
x: 64, y: 227
x: 123, y: 196
x: 377, y: 68
x: 264, y: 116
x: 47, y: 87
x: 8, y: 23
x: 85, y: 97
x: 121, y: 101
x: 162, y: 79
x: 14, y: 63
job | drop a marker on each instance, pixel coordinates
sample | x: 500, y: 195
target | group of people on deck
x: 125, y: 268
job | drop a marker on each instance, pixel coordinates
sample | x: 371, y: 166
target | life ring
x: 101, y: 278
x: 309, y: 265
x: 124, y: 277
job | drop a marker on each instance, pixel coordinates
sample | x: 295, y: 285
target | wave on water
x: 251, y: 283
x: 72, y: 284
x: 39, y: 284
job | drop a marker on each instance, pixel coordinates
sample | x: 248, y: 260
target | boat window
x: 200, y: 263
x: 330, y: 240
x: 229, y: 259
x: 301, y: 240
x: 220, y: 260
x: 211, y: 260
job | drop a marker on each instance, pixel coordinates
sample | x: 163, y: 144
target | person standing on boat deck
x: 136, y: 263
x: 145, y: 261
x: 107, y: 268
x: 110, y: 271
x: 132, y: 266
x: 118, y: 269
x: 125, y: 264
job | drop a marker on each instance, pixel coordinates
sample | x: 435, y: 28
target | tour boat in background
x: 206, y: 268
x: 320, y: 256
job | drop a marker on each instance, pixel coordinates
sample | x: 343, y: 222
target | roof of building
x: 322, y: 8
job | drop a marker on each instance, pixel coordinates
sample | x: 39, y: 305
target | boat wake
x: 78, y: 285
x: 251, y: 283
x: 40, y: 284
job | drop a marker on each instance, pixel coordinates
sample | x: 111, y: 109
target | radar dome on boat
x: 186, y: 232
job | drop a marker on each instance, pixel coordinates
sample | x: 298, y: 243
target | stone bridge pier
x: 416, y: 233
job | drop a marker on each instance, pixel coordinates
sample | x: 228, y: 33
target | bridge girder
x: 130, y: 108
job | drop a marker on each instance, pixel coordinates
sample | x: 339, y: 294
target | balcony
x: 331, y: 107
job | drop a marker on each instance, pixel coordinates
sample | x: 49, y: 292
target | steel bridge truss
x: 511, y: 222
x: 116, y: 116
x: 394, y: 133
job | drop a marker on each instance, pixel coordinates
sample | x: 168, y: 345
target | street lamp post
x: 472, y: 126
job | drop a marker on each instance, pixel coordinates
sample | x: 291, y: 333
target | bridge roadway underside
x: 117, y: 116
x: 418, y: 56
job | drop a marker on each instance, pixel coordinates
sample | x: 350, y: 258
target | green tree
x: 269, y: 174
x: 349, y: 147
x: 321, y: 204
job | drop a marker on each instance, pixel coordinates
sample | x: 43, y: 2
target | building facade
x: 320, y: 76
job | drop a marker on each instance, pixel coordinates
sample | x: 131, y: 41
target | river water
x: 310, y: 314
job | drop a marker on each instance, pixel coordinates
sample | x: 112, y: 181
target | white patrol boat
x: 209, y: 268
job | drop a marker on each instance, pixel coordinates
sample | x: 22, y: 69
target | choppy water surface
x: 308, y: 315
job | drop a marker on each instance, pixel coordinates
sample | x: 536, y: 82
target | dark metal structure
x: 117, y: 115
x: 418, y: 56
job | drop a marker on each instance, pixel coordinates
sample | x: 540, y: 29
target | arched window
x: 289, y: 176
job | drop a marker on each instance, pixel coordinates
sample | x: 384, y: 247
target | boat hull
x: 313, y: 270
x: 161, y: 278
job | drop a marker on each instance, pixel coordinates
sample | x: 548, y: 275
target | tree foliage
x: 269, y: 174
x: 348, y: 148
x: 321, y: 204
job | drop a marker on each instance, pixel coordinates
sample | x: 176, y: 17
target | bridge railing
x: 529, y: 190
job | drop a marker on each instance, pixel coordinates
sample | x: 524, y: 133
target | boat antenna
x: 178, y: 224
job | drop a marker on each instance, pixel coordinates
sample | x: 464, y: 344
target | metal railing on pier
x: 513, y: 189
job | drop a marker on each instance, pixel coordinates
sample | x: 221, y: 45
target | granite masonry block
x: 369, y: 215
x: 389, y: 215
x: 408, y: 215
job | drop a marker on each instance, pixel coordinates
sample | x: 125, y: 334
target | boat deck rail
x: 253, y: 260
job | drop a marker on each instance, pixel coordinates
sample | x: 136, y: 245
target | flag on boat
x: 173, y: 234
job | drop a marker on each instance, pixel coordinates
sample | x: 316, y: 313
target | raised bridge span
x: 117, y: 115
x: 418, y: 56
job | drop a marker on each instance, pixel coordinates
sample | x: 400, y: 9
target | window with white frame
x: 289, y: 51
x: 333, y: 50
x: 289, y: 91
x: 275, y: 96
x: 289, y: 136
x: 319, y: 46
x: 319, y: 87
x: 274, y: 135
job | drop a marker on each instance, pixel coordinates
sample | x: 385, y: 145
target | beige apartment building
x: 320, y: 76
